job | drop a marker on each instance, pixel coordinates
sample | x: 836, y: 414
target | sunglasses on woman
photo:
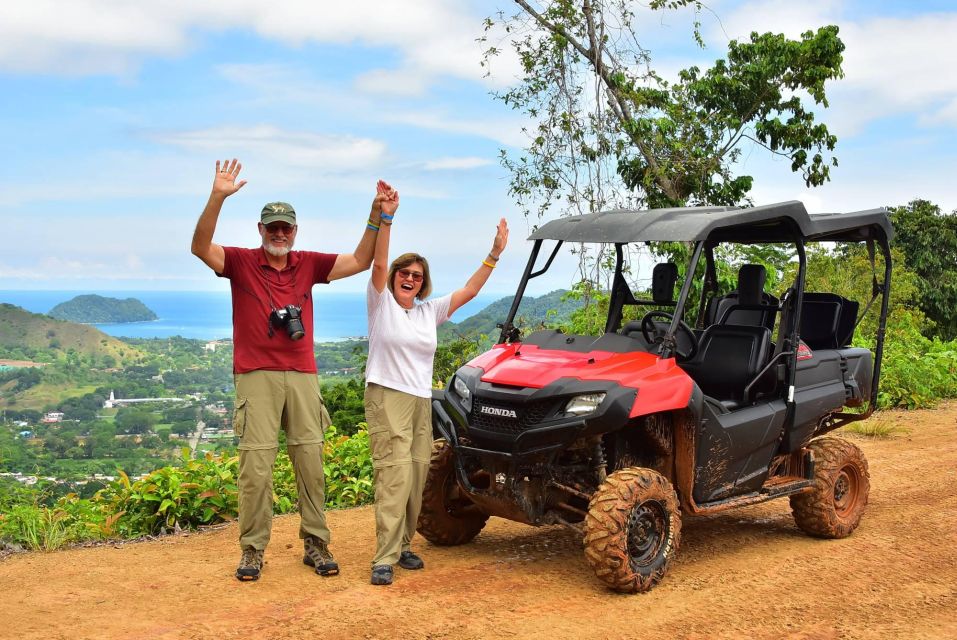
x: 415, y: 275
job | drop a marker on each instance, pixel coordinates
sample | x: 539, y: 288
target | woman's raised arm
x: 480, y: 277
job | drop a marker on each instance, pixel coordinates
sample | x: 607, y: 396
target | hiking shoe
x: 408, y: 560
x: 250, y: 565
x: 382, y: 574
x: 317, y: 555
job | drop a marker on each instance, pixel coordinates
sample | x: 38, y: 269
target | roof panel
x: 780, y: 222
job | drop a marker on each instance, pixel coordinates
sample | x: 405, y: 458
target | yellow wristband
x: 486, y: 263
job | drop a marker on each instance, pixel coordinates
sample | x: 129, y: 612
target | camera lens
x: 294, y: 324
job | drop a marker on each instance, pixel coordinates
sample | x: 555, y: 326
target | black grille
x: 527, y: 416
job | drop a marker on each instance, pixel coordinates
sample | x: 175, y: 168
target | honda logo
x: 495, y: 411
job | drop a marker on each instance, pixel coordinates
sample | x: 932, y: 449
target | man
x: 273, y: 362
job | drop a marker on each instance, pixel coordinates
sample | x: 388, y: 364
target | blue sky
x: 115, y: 111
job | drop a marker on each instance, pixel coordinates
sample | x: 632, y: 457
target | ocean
x: 207, y: 315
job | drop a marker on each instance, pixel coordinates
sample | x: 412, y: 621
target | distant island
x: 93, y: 309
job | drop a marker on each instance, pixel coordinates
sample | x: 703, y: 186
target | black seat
x: 827, y: 320
x: 729, y: 358
x: 746, y: 305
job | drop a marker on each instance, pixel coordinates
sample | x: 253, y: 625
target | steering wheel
x: 654, y: 333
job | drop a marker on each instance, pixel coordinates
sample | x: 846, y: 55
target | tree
x: 135, y: 421
x: 450, y: 356
x: 184, y: 427
x: 612, y: 132
x: 928, y: 239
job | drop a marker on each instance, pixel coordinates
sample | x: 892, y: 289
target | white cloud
x: 392, y: 82
x: 304, y: 150
x: 903, y: 64
x: 892, y: 65
x: 114, y: 37
x: 507, y: 131
x: 83, y: 36
x: 442, y: 164
x: 273, y: 83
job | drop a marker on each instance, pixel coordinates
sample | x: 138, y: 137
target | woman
x: 402, y: 341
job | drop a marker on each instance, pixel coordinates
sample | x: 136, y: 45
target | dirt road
x: 749, y: 573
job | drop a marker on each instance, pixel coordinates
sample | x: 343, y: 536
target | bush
x: 192, y: 494
x: 918, y: 372
x: 348, y: 468
x: 198, y: 492
x: 43, y: 528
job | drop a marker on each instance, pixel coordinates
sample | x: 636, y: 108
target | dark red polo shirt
x: 257, y: 288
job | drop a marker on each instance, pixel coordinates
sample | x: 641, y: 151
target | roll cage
x: 706, y: 228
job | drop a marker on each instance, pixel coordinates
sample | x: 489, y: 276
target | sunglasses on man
x: 276, y: 227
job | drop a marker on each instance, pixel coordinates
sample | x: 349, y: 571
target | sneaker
x: 317, y: 555
x: 382, y: 574
x: 408, y: 560
x: 250, y: 565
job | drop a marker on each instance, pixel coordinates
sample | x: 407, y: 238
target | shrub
x: 916, y: 371
x: 192, y: 494
x: 348, y: 468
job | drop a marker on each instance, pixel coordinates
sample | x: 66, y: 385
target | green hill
x: 33, y: 336
x: 90, y: 309
x: 548, y: 308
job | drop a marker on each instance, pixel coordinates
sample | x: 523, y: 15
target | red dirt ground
x: 748, y: 573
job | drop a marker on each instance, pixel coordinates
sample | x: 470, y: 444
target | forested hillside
x: 34, y: 336
x: 549, y: 308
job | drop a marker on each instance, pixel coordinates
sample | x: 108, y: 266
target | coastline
x: 207, y: 315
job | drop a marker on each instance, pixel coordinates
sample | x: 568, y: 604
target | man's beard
x: 277, y: 251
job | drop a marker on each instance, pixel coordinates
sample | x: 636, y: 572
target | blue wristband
x: 385, y: 216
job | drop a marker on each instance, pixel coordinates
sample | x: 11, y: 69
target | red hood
x: 661, y: 384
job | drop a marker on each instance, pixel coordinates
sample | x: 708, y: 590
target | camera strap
x: 272, y: 305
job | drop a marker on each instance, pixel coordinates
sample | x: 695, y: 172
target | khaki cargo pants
x: 266, y: 401
x: 400, y: 436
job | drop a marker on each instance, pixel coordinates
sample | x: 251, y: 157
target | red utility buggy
x: 621, y: 435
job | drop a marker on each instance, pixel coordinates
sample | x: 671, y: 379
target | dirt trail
x: 747, y: 573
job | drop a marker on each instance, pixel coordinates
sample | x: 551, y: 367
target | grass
x: 876, y: 427
x: 35, y: 527
x: 44, y: 395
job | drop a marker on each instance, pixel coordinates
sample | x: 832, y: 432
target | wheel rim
x: 846, y: 490
x: 647, y: 528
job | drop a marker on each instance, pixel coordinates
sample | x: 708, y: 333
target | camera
x: 290, y: 318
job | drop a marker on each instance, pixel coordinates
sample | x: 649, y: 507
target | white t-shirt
x: 402, y: 341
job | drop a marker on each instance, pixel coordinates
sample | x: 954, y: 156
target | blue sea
x: 207, y: 315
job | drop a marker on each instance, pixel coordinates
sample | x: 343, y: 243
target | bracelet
x: 386, y: 216
x: 388, y: 224
x: 492, y: 258
x: 371, y: 225
x: 487, y: 264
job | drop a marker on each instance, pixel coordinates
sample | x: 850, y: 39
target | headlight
x: 584, y: 404
x: 461, y: 388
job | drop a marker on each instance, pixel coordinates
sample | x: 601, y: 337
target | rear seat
x: 827, y: 320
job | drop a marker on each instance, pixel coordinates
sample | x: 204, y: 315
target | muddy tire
x: 447, y: 517
x: 632, y: 529
x: 833, y: 508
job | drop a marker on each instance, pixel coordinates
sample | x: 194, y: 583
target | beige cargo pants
x: 400, y: 436
x: 265, y: 402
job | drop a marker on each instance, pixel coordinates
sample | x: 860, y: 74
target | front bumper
x: 513, y: 423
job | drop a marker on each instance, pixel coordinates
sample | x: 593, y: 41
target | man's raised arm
x: 224, y: 185
x: 347, y: 264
